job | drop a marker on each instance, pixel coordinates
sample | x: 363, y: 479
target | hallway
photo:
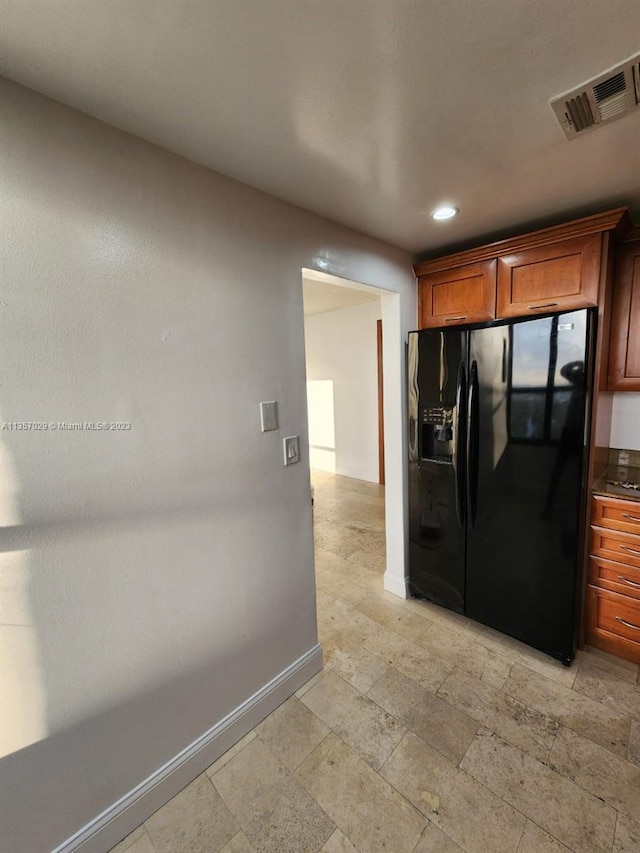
x: 425, y: 732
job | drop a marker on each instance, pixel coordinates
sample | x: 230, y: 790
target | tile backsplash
x: 621, y: 456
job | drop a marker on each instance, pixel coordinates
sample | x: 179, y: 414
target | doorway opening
x: 353, y: 352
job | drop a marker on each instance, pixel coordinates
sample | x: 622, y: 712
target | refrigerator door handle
x: 459, y: 444
x: 472, y: 445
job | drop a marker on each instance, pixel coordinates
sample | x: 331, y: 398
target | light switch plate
x: 291, y: 447
x: 269, y: 415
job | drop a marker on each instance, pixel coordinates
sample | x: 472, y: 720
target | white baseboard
x: 396, y: 585
x: 121, y: 818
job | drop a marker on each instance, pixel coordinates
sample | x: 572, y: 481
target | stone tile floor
x: 425, y: 732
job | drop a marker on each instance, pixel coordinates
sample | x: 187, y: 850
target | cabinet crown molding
x: 617, y: 221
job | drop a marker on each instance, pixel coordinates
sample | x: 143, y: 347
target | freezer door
x: 527, y: 405
x: 437, y: 399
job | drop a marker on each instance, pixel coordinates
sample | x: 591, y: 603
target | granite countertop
x: 613, y: 474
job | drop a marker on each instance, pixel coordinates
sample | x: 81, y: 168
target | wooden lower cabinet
x: 613, y: 623
x: 612, y: 618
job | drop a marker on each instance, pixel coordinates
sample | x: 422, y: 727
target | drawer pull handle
x: 627, y: 581
x: 630, y: 550
x: 546, y: 305
x: 455, y: 319
x: 628, y: 624
x: 631, y: 517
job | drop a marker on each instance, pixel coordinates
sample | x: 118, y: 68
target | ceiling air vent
x: 603, y: 99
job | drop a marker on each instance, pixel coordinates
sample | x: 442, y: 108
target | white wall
x: 341, y: 346
x: 153, y: 579
x: 625, y: 421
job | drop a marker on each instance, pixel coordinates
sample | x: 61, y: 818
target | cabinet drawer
x: 613, y: 623
x: 453, y: 297
x: 616, y: 577
x: 615, y: 545
x: 616, y: 514
x: 559, y: 277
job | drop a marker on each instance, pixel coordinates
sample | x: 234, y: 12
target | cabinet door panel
x: 462, y: 295
x: 624, y: 348
x: 613, y: 623
x: 562, y: 276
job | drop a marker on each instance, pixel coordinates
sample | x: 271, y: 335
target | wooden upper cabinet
x: 452, y: 297
x: 624, y: 345
x: 558, y: 277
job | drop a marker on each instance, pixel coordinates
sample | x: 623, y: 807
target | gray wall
x: 152, y: 579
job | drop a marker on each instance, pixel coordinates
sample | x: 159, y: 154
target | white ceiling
x: 370, y: 112
x: 321, y: 296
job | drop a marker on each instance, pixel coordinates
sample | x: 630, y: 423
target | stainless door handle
x: 546, y: 305
x: 628, y: 624
x: 453, y: 319
x: 631, y: 517
x: 630, y: 550
x: 458, y: 464
x: 627, y: 581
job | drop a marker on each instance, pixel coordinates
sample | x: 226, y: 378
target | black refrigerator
x: 497, y: 456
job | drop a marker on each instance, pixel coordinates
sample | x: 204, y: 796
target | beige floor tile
x: 395, y: 618
x: 238, y: 844
x: 460, y: 648
x: 385, y: 644
x: 362, y: 804
x: 431, y: 718
x: 567, y: 812
x: 516, y: 723
x: 349, y: 622
x: 350, y: 592
x: 633, y: 750
x: 353, y: 662
x: 327, y: 560
x: 622, y: 668
x: 627, y: 838
x: 591, y: 719
x: 447, y: 618
x: 536, y: 840
x: 598, y: 771
x: 195, y: 821
x: 407, y: 657
x: 337, y: 540
x: 273, y: 810
x: 228, y: 755
x: 338, y: 843
x: 519, y: 653
x: 471, y: 815
x: 372, y: 562
x: 420, y: 665
x: 370, y: 578
x: 435, y: 841
x: 309, y: 684
x: 137, y: 842
x: 363, y: 725
x: 496, y: 671
x: 292, y: 732
x: 604, y: 684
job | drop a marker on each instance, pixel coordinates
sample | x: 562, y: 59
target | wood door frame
x: 380, y: 406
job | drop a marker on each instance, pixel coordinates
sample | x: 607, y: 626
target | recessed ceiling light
x: 444, y: 212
